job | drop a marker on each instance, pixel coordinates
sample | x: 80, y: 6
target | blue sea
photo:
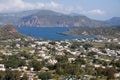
x: 49, y: 33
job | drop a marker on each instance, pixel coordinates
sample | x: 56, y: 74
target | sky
x: 95, y: 9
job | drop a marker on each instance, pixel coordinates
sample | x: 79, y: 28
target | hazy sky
x: 96, y: 9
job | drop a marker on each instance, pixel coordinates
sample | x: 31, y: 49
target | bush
x: 10, y: 75
x: 36, y: 65
x: 44, y: 75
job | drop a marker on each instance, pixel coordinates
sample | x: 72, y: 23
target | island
x: 24, y: 57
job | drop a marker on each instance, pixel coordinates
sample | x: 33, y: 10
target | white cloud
x: 96, y: 11
x: 20, y: 5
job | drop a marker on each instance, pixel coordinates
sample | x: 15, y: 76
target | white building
x: 2, y: 67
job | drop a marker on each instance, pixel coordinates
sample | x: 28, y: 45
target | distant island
x: 48, y: 18
x: 109, y: 32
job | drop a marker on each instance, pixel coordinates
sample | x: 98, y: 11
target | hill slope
x: 49, y: 18
x: 115, y: 21
x: 113, y: 32
x: 13, y: 18
x: 9, y: 32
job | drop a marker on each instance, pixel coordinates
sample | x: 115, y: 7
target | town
x: 59, y: 39
x: 80, y: 59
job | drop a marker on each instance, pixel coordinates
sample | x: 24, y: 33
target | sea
x: 50, y: 33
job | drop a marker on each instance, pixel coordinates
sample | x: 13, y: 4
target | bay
x: 50, y: 33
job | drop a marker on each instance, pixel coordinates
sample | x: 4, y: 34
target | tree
x: 118, y: 64
x: 99, y: 71
x: 110, y: 73
x: 75, y: 45
x: 25, y: 77
x: 2, y: 75
x: 61, y: 58
x: 10, y: 75
x: 115, y: 63
x: 67, y: 68
x: 36, y: 65
x: 91, y: 53
x: 25, y: 54
x: 113, y: 46
x: 87, y: 45
x: 71, y: 69
x: 50, y: 66
x: 56, y: 77
x: 14, y: 62
x: 59, y: 68
x: 80, y: 60
x: 44, y: 75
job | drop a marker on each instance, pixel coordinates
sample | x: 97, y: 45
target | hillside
x: 9, y: 32
x: 47, y: 18
x: 115, y: 21
x: 103, y: 31
x: 13, y: 18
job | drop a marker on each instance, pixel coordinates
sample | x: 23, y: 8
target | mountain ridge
x: 114, y: 21
x: 47, y: 18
